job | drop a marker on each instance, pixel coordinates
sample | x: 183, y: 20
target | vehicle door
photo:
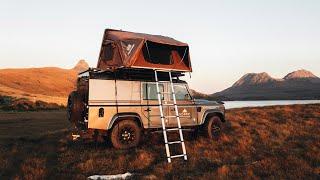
x: 186, y: 106
x: 150, y: 104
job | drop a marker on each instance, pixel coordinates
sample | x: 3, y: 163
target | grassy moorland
x: 8, y: 103
x: 264, y: 142
x: 48, y: 84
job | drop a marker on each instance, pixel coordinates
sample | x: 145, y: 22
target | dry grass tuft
x: 86, y: 166
x: 142, y: 160
x: 33, y: 168
x: 223, y: 171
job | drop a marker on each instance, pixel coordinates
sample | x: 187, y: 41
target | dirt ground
x: 264, y: 142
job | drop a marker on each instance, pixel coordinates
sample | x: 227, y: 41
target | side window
x: 181, y: 92
x: 150, y: 91
x: 108, y: 52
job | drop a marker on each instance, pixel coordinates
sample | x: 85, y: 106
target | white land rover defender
x: 136, y: 87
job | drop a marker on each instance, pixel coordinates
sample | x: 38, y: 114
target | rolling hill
x: 49, y: 84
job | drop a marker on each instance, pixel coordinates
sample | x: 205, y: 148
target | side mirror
x: 187, y: 97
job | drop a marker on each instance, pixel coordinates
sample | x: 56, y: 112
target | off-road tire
x: 212, y: 128
x: 75, y: 108
x: 125, y: 135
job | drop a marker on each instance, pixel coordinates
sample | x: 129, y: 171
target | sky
x: 227, y: 38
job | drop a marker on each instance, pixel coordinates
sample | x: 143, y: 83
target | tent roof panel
x: 122, y: 35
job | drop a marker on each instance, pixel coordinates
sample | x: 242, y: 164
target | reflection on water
x: 239, y: 104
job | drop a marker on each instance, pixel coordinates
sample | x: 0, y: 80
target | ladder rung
x: 155, y: 115
x: 173, y: 129
x: 165, y: 93
x: 176, y: 156
x: 169, y: 116
x: 168, y: 104
x: 173, y: 118
x: 185, y: 117
x: 163, y: 116
x: 175, y: 142
x: 161, y: 70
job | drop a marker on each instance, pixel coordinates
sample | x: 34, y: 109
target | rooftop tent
x: 121, y: 49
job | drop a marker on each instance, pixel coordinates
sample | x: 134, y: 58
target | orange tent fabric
x: 122, y: 49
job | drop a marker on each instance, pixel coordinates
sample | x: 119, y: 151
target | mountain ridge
x: 263, y: 77
x: 253, y: 78
x: 302, y: 73
x: 300, y: 84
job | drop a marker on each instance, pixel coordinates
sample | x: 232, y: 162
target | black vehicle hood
x: 207, y: 102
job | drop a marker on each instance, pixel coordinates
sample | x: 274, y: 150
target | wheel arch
x: 125, y: 116
x: 210, y: 113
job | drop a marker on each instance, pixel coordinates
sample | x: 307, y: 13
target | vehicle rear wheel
x: 125, y: 134
x: 212, y: 127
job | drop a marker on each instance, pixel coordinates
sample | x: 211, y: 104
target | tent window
x: 184, y: 55
x: 156, y: 53
x: 108, y: 52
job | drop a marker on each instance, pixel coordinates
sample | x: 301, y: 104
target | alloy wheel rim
x: 215, y: 129
x: 127, y: 135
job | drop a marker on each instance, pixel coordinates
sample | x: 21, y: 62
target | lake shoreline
x: 258, y: 103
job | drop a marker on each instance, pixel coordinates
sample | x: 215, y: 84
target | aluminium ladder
x: 163, y: 117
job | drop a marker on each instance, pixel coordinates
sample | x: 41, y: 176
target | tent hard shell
x: 122, y: 49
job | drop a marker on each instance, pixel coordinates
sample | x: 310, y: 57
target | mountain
x: 301, y: 84
x: 253, y: 79
x: 300, y: 74
x: 49, y: 84
x: 81, y: 66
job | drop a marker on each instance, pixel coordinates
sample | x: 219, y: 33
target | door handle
x: 147, y: 110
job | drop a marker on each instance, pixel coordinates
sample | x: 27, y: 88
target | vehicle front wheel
x: 212, y: 128
x: 125, y: 134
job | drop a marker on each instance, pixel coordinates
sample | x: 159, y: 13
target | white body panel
x: 101, y: 91
x: 119, y: 96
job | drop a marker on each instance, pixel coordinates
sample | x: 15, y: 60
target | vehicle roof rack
x: 131, y: 74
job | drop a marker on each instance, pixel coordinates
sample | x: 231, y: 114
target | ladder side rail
x: 162, y: 118
x: 178, y: 118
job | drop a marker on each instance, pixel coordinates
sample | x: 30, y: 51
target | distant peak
x: 257, y: 74
x: 253, y: 79
x: 302, y: 73
x: 82, y: 65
